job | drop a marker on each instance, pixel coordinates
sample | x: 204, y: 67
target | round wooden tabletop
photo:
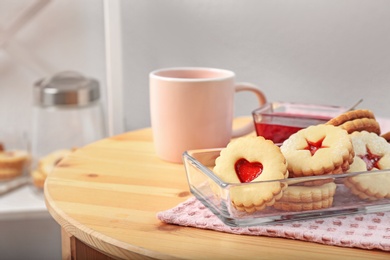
x: 107, y: 195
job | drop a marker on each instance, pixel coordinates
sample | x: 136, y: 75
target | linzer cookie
x: 305, y: 194
x: 256, y: 196
x: 318, y: 150
x: 252, y: 159
x: 323, y: 204
x: 372, y: 153
x: 302, y: 198
x: 374, y: 187
x: 356, y: 120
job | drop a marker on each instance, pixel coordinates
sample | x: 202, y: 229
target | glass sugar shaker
x: 67, y: 113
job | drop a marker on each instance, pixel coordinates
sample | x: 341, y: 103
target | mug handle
x: 244, y: 86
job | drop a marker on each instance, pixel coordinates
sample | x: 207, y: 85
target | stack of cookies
x: 319, y: 150
x: 350, y: 142
x: 372, y: 153
x: 252, y: 160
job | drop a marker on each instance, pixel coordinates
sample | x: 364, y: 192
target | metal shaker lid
x: 67, y: 88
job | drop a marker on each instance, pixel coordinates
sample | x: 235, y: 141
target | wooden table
x: 106, y: 195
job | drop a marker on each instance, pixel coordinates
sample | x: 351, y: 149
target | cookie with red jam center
x: 318, y: 150
x: 372, y: 153
x: 249, y: 161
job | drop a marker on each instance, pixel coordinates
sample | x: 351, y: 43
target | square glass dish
x: 217, y: 195
x: 278, y: 120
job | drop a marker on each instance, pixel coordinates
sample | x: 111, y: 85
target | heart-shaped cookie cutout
x: 247, y: 171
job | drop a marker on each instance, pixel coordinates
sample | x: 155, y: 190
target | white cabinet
x: 27, y: 231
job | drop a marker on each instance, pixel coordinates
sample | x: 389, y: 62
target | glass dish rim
x: 257, y: 112
x: 224, y: 184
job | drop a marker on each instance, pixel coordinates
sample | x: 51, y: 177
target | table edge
x: 120, y: 249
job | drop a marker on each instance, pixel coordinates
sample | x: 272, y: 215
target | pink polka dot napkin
x: 367, y: 231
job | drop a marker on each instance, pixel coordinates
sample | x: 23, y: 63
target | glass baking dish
x: 278, y: 120
x: 215, y: 194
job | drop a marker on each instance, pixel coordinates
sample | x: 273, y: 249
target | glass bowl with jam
x: 276, y: 121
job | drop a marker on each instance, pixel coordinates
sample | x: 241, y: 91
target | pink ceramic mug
x: 193, y: 108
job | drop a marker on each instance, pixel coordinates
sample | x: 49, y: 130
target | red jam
x: 371, y: 160
x: 313, y: 147
x: 247, y: 171
x: 276, y: 133
x: 278, y: 126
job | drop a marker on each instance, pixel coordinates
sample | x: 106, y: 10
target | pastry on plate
x: 13, y: 163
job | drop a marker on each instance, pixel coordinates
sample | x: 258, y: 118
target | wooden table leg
x: 74, y: 249
x: 67, y: 241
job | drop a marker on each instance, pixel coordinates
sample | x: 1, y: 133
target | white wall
x: 63, y: 35
x: 322, y: 51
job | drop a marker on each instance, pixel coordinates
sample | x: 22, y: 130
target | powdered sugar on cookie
x: 318, y: 150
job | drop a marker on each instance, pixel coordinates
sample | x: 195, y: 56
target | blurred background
x: 331, y: 52
x: 323, y: 51
x: 37, y: 39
